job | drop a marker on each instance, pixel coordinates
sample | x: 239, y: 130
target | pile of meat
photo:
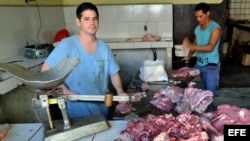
x: 173, y: 98
x: 187, y: 127
x: 198, y: 100
x: 227, y: 114
x: 165, y: 98
x: 184, y: 127
x: 186, y: 72
x: 186, y: 100
x: 126, y: 107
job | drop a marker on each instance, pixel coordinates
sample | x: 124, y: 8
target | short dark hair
x: 202, y: 6
x: 86, y: 6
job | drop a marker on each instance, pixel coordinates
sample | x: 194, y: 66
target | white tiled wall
x: 21, y: 24
x: 122, y: 21
x: 239, y: 9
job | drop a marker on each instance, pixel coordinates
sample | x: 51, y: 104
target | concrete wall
x: 19, y: 26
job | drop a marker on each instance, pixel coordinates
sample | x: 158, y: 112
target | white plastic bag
x: 153, y: 71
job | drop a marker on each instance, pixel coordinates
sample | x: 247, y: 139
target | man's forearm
x: 116, y: 82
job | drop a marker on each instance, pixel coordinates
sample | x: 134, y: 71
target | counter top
x: 111, y: 134
x: 135, y: 39
x: 25, y: 132
x: 137, y: 43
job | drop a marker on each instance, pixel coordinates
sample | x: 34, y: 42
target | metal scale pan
x: 42, y: 80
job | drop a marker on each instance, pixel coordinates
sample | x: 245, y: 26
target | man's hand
x: 66, y: 90
x: 186, y: 59
x: 188, y: 44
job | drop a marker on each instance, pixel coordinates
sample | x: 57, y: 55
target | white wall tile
x: 124, y: 13
x: 106, y: 30
x: 124, y: 21
x: 109, y: 14
x: 141, y: 12
x: 247, y: 11
x: 169, y: 12
x: 165, y: 29
x: 121, y: 30
x: 156, y: 12
x: 137, y: 29
x: 152, y: 28
x: 21, y: 24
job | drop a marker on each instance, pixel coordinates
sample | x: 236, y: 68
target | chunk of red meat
x: 229, y: 114
x: 213, y: 134
x: 198, y: 99
x: 123, y: 108
x: 183, y: 127
x: 186, y: 72
x: 150, y: 37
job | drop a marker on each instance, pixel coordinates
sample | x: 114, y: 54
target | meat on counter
x: 184, y: 127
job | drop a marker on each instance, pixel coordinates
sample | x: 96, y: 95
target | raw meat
x: 198, y: 99
x: 186, y: 72
x: 184, y: 127
x: 149, y: 37
x: 183, y: 107
x: 194, y: 99
x: 212, y: 132
x: 126, y: 107
x: 186, y: 100
x: 137, y: 96
x: 229, y: 114
x: 164, y: 99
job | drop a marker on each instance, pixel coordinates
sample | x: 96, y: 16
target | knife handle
x: 108, y: 99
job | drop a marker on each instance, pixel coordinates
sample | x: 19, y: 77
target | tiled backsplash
x: 239, y: 10
x: 122, y: 21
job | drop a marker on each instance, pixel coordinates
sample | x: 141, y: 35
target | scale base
x: 80, y: 127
